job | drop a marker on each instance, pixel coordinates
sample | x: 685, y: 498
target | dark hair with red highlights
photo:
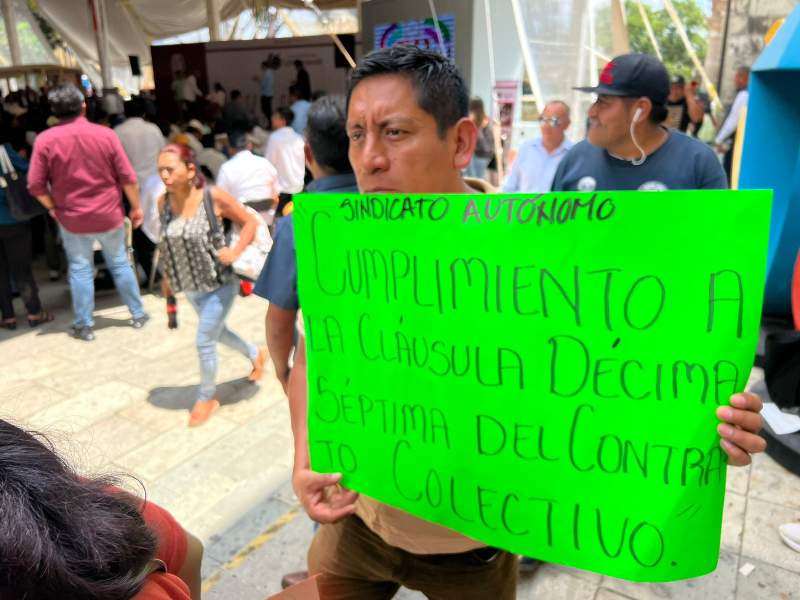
x: 186, y: 156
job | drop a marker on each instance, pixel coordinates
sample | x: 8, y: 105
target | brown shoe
x: 258, y: 364
x: 291, y: 579
x: 202, y: 411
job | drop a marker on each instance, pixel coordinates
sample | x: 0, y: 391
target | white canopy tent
x: 132, y: 25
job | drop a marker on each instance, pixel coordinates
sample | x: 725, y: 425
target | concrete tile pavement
x: 120, y: 404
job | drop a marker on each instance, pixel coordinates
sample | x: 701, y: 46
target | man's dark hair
x: 208, y: 140
x: 658, y: 113
x: 65, y: 100
x: 135, y: 107
x: 237, y: 139
x: 235, y: 94
x: 265, y: 64
x: 326, y: 133
x: 286, y: 113
x: 61, y: 535
x: 293, y: 91
x: 440, y: 89
x: 298, y: 64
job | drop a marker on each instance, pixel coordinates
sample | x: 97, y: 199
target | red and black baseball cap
x: 633, y: 76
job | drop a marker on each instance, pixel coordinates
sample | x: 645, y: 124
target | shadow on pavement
x: 183, y: 397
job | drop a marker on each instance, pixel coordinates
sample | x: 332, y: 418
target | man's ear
x: 308, y: 154
x: 466, y: 138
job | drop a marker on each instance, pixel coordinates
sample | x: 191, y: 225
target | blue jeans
x: 80, y: 256
x: 212, y: 309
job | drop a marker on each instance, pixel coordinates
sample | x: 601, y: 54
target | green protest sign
x: 540, y: 373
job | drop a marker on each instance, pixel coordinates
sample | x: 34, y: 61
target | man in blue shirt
x: 326, y: 156
x: 300, y: 107
x: 627, y: 148
x: 538, y: 159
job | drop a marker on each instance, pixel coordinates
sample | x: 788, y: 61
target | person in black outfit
x: 683, y: 106
x: 303, y: 81
x: 16, y: 258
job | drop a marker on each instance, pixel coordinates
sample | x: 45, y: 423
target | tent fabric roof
x: 134, y: 24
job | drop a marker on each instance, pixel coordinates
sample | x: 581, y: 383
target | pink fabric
x: 83, y: 167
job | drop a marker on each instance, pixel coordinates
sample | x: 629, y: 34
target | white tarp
x: 134, y: 24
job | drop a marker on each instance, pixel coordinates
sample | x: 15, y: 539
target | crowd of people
x: 407, y: 125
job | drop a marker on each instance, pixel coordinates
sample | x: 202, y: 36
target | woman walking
x: 16, y: 258
x: 484, y: 149
x: 194, y: 262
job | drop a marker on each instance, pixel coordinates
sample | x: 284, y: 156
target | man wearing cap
x: 683, y: 106
x: 627, y: 147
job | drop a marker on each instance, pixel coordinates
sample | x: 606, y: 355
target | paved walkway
x: 120, y: 404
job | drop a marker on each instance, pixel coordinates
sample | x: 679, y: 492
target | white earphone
x: 637, y: 114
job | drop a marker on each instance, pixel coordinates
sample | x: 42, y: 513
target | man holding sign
x: 410, y: 134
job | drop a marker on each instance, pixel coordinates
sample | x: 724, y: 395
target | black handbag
x: 21, y: 204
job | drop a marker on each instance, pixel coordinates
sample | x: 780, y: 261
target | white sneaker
x: 790, y: 533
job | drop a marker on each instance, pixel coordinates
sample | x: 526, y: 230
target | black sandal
x: 10, y: 324
x: 44, y: 317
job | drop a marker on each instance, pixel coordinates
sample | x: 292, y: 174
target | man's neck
x: 552, y: 146
x: 650, y: 138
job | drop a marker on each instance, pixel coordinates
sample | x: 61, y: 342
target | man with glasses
x: 627, y: 147
x: 538, y: 159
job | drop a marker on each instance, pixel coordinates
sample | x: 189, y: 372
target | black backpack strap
x: 217, y: 236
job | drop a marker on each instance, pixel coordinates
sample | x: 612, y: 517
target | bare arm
x: 695, y: 107
x: 280, y: 334
x: 323, y: 499
x: 136, y: 214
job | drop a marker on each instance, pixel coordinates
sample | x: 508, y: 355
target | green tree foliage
x: 673, y: 51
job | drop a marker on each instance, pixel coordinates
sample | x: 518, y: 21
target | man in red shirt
x: 76, y: 171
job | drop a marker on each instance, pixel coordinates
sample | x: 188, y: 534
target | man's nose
x: 375, y: 158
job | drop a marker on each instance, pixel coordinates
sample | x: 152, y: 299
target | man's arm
x: 693, y: 105
x: 323, y: 499
x: 136, y: 213
x: 732, y: 122
x: 280, y: 338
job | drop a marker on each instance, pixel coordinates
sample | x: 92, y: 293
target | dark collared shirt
x: 278, y: 280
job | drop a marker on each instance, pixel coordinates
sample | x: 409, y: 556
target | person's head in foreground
x: 408, y: 123
x: 326, y: 137
x: 631, y: 103
x: 64, y: 536
x: 282, y: 117
x: 66, y: 101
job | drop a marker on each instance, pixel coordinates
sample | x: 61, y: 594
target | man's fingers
x: 324, y: 513
x: 736, y: 456
x: 749, y: 442
x: 747, y: 401
x: 746, y: 419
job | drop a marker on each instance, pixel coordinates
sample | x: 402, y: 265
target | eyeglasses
x: 552, y: 121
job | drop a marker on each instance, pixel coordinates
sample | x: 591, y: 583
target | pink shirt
x: 82, y: 167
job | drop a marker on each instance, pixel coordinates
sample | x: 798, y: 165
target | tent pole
x: 10, y: 19
x: 527, y: 59
x: 100, y: 23
x: 212, y: 13
x: 619, y: 32
x: 650, y: 33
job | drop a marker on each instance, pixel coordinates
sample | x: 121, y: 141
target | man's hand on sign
x: 739, y: 429
x: 323, y: 498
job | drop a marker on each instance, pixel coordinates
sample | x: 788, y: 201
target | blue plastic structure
x: 771, y: 155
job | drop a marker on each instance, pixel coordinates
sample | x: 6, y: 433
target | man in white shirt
x: 142, y: 142
x: 727, y: 133
x: 249, y: 178
x: 285, y: 150
x: 538, y: 159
